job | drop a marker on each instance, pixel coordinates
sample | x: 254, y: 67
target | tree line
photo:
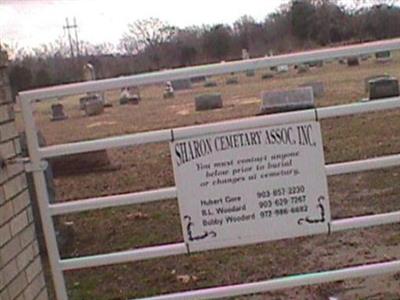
x: 152, y: 44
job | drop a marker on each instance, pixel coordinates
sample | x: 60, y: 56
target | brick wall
x: 21, y: 273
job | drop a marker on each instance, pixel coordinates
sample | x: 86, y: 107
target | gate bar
x: 219, y: 127
x: 180, y: 248
x: 170, y: 192
x: 285, y: 282
x: 211, y: 69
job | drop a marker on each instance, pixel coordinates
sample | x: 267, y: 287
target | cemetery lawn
x: 149, y: 167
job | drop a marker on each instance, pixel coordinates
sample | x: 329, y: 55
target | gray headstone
x: 94, y: 107
x: 168, y: 95
x: 250, y: 73
x: 57, y: 111
x: 267, y: 75
x: 181, y: 84
x: 373, y: 77
x: 210, y: 83
x: 317, y: 63
x: 208, y: 101
x: 317, y: 87
x: 198, y: 79
x: 353, y: 61
x: 232, y: 80
x: 384, y: 56
x: 84, y: 99
x: 383, y: 88
x: 282, y: 101
x: 365, y: 57
x: 303, y: 68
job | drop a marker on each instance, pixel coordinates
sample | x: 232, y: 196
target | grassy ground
x: 147, y: 167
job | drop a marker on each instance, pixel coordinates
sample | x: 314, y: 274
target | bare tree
x: 148, y: 33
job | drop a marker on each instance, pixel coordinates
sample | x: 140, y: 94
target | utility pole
x: 76, y: 38
x: 71, y: 45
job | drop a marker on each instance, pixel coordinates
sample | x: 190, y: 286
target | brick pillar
x: 21, y: 272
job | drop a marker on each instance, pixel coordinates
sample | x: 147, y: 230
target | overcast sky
x: 29, y: 23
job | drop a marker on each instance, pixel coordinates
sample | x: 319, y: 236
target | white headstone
x: 245, y: 54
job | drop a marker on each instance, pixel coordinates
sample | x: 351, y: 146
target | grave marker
x: 383, y: 88
x: 282, y: 69
x: 288, y: 100
x: 57, y: 112
x: 250, y: 73
x: 383, y: 57
x: 353, y: 61
x: 369, y: 78
x: 232, y: 80
x: 317, y: 87
x: 303, y: 68
x: 94, y: 107
x: 267, y: 75
x: 210, y: 83
x: 208, y: 101
x: 181, y: 84
x: 198, y: 79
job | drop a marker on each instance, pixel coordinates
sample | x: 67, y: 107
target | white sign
x: 251, y: 186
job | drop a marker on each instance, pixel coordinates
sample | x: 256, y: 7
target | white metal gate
x: 38, y: 156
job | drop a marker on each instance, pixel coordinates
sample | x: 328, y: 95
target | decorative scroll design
x: 320, y: 219
x: 189, y: 230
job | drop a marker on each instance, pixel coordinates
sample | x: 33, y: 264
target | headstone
x: 267, y: 75
x: 273, y: 69
x: 168, y: 91
x: 250, y: 73
x: 208, y: 101
x: 353, y: 61
x: 181, y: 84
x: 94, y: 107
x: 317, y: 87
x: 168, y: 95
x: 83, y: 100
x: 384, y: 56
x: 369, y: 78
x: 282, y: 69
x: 383, y: 88
x: 57, y: 111
x: 365, y: 57
x: 303, y: 68
x: 89, y: 72
x: 198, y: 79
x: 283, y: 101
x: 316, y: 63
x: 210, y: 83
x: 129, y: 95
x: 232, y: 80
x: 245, y: 54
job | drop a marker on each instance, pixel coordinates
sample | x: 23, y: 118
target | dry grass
x: 147, y: 167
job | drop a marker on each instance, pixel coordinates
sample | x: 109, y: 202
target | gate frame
x: 48, y: 211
